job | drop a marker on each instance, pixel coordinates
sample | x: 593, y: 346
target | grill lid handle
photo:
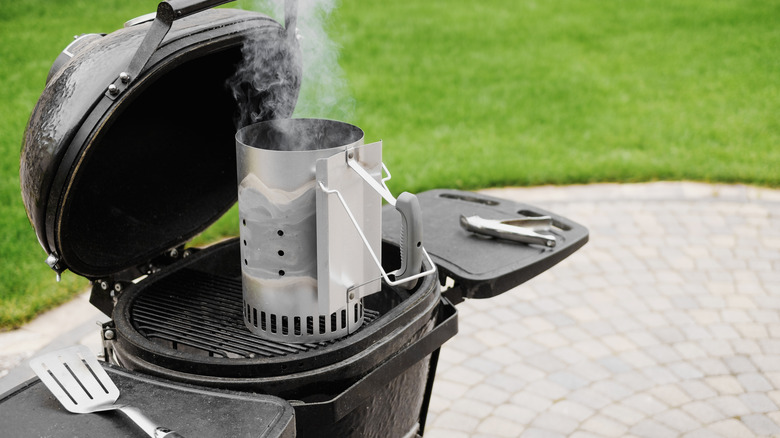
x: 174, y: 9
x: 168, y: 12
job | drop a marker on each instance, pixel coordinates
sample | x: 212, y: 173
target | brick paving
x: 666, y: 324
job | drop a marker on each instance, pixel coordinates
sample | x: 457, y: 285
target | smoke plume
x: 265, y: 82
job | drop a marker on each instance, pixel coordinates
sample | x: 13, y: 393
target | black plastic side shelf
x: 31, y: 410
x: 483, y: 267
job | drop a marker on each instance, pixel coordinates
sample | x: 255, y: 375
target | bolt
x: 173, y: 253
x: 113, y: 90
x: 109, y: 334
x: 186, y: 253
x: 124, y: 77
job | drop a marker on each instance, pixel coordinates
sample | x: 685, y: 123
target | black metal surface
x: 483, y: 267
x: 401, y: 315
x: 445, y: 327
x: 371, y: 383
x: 32, y: 411
x: 201, y: 313
x: 109, y: 184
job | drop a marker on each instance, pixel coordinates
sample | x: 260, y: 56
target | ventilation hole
x: 273, y: 323
x: 357, y: 309
x: 309, y: 325
x: 243, y: 221
x: 280, y: 233
x: 246, y: 262
x: 281, y: 253
x: 262, y: 321
x: 246, y: 311
x: 333, y: 322
x: 297, y: 325
x: 419, y: 244
x: 244, y: 242
x: 284, y: 325
x: 254, y: 317
x: 344, y: 319
x: 322, y: 324
x: 281, y: 272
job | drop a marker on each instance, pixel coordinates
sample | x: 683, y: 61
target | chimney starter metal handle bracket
x: 385, y: 275
x: 412, y: 250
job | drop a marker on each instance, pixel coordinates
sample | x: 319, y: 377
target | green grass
x: 474, y: 94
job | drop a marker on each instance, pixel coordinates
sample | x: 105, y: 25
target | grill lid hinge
x: 53, y: 260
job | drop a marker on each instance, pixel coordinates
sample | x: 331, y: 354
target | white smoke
x: 262, y: 86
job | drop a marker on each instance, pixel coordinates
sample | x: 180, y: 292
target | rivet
x: 352, y: 295
x: 124, y: 77
x: 117, y: 287
x: 104, y: 284
x: 113, y: 89
x: 109, y: 334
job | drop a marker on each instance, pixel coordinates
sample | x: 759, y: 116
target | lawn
x: 470, y: 95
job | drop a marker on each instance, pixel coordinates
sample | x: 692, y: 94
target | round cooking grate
x: 201, y: 314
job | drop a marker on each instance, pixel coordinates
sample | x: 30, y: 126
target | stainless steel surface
x: 286, y: 291
x: 349, y: 227
x: 309, y: 257
x: 525, y: 230
x: 82, y: 386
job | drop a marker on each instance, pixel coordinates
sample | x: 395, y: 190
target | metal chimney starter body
x: 304, y: 267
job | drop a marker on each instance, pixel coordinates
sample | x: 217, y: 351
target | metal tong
x: 525, y: 230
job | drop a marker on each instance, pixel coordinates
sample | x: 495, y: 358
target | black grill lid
x: 111, y: 180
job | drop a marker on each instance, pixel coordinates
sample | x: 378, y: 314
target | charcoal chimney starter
x: 309, y: 196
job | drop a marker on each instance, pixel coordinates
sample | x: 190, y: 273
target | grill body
x: 186, y: 325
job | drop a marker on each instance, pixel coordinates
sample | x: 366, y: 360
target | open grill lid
x: 130, y: 150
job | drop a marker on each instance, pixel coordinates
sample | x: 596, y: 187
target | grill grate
x: 201, y: 313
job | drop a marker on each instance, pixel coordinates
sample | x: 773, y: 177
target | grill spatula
x: 78, y: 381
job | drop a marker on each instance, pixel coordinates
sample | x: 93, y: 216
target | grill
x: 131, y: 152
x: 200, y: 314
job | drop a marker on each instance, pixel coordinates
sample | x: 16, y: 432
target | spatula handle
x: 148, y: 426
x: 163, y: 432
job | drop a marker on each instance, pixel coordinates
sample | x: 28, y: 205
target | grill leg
x: 428, y: 389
